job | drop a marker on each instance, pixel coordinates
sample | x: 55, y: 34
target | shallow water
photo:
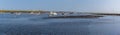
x: 27, y: 24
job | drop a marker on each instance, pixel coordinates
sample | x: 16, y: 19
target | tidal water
x: 28, y: 24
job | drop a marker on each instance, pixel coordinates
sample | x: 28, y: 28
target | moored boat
x: 76, y: 16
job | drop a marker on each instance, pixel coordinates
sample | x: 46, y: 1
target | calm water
x: 27, y: 24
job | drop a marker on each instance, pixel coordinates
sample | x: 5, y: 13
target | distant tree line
x: 22, y: 11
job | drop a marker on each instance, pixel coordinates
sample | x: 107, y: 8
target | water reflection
x: 27, y: 24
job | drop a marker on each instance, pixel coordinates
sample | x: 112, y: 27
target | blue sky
x: 61, y: 5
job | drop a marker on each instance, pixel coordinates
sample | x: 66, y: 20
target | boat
x: 76, y: 16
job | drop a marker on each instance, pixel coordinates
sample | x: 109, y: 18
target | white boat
x: 76, y: 16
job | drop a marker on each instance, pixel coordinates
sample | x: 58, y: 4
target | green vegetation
x: 22, y: 11
x: 41, y: 11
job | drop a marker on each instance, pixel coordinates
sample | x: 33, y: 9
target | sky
x: 62, y: 5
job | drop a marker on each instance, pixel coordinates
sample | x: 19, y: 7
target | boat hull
x: 85, y: 16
